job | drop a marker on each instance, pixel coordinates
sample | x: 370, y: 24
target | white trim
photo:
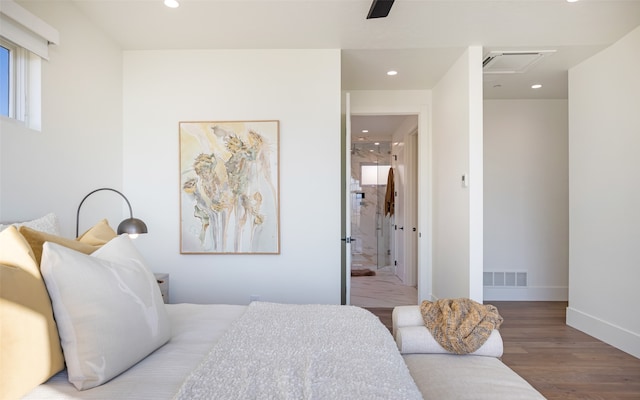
x: 475, y: 175
x: 529, y: 293
x: 425, y: 201
x: 20, y: 84
x: 25, y: 29
x: 33, y: 101
x: 609, y: 333
x: 411, y: 207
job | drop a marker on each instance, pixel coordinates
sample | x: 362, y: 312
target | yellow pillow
x: 30, y: 351
x: 36, y: 239
x: 99, y: 234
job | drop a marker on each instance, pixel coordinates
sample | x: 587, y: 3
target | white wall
x: 604, y: 127
x: 80, y: 146
x: 457, y: 151
x: 526, y: 197
x: 418, y: 102
x: 301, y: 89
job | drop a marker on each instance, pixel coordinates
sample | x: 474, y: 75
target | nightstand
x: 163, y: 283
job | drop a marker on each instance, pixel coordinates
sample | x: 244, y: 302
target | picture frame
x: 229, y: 187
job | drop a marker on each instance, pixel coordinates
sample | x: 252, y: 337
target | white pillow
x: 47, y: 224
x: 418, y: 339
x: 108, y: 309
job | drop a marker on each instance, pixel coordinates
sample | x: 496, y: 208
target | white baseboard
x: 529, y: 293
x: 616, y: 336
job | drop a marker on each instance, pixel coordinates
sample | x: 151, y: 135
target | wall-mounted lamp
x: 132, y: 226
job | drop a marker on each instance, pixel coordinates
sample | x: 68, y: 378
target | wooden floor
x: 559, y: 361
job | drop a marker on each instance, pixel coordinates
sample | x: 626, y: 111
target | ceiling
x: 420, y: 38
x: 379, y: 128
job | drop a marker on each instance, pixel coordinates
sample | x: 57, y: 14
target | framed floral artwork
x: 229, y: 187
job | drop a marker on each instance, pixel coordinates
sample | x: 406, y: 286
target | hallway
x: 382, y: 290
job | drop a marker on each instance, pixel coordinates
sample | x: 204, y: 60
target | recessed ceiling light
x: 572, y: 1
x: 171, y: 3
x: 392, y: 73
x: 365, y: 131
x: 377, y: 143
x: 536, y: 86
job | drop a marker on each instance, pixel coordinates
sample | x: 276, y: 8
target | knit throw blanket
x: 460, y: 326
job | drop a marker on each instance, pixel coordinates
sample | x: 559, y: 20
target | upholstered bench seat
x: 448, y: 376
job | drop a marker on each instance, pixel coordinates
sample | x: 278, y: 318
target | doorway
x: 383, y: 252
x: 371, y: 219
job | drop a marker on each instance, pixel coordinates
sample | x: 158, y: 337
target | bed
x: 107, y: 334
x: 197, y: 328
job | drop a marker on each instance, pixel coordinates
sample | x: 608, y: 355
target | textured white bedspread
x: 279, y: 351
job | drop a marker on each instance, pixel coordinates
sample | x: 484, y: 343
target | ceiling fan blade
x: 380, y: 8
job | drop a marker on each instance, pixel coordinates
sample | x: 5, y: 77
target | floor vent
x: 505, y: 279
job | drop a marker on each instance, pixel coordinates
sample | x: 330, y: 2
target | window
x: 24, y: 42
x: 19, y: 84
x: 375, y: 174
x: 5, y: 73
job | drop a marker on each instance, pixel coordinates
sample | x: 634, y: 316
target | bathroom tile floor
x: 382, y: 290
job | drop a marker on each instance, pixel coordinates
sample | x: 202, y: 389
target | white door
x: 346, y: 248
x: 399, y: 213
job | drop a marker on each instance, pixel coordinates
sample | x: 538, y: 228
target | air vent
x: 512, y: 62
x: 380, y: 8
x: 505, y: 279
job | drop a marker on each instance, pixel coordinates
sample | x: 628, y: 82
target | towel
x: 418, y: 339
x: 389, y: 196
x: 462, y: 325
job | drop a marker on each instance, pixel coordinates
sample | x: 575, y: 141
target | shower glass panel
x: 370, y: 227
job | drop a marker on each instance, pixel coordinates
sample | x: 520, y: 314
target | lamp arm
x: 92, y: 192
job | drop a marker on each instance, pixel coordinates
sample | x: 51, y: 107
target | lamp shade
x: 132, y: 226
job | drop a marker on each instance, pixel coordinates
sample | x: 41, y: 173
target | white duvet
x: 194, y: 329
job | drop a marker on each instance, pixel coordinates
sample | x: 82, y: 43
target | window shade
x: 25, y: 29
